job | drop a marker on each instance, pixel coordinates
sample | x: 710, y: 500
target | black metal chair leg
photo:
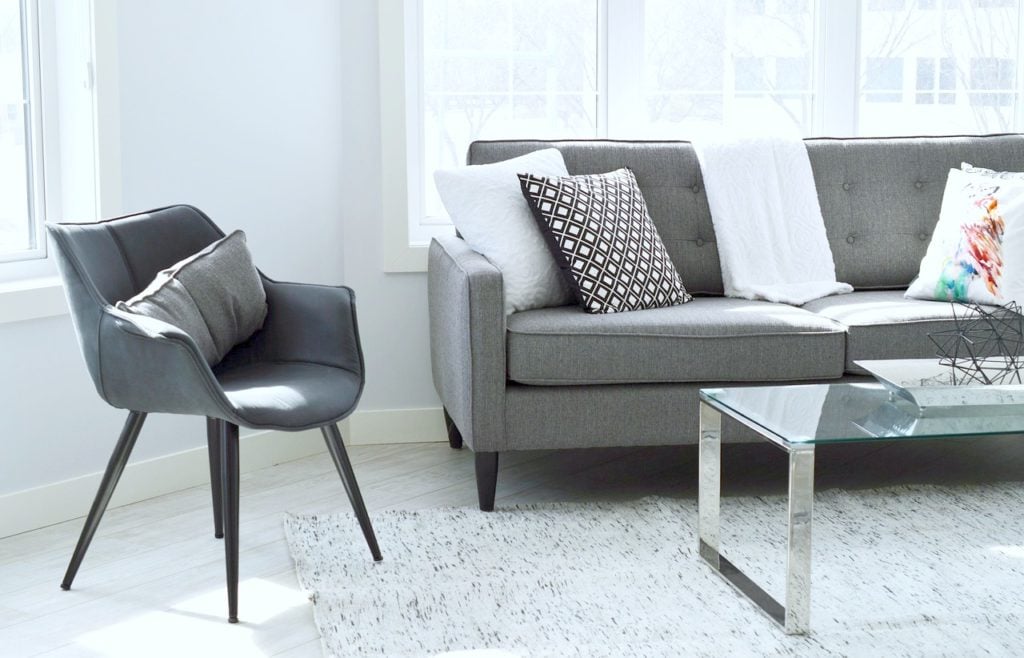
x: 454, y: 435
x: 337, y: 449
x: 228, y: 435
x: 486, y: 479
x: 213, y: 445
x: 115, y: 467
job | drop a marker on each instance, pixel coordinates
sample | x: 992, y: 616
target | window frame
x: 32, y: 113
x: 837, y: 92
x: 90, y: 146
x: 30, y: 289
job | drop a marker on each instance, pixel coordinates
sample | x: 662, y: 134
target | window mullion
x: 624, y: 60
x: 1018, y: 87
x: 837, y: 64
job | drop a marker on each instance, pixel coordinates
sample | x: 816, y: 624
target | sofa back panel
x: 880, y: 197
x: 669, y: 177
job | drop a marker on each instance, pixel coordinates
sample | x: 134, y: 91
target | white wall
x: 238, y: 107
x: 393, y: 307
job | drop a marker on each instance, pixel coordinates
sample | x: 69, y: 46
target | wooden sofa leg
x: 454, y: 436
x: 486, y: 479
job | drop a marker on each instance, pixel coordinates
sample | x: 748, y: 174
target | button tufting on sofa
x: 850, y: 239
x: 919, y: 184
x: 695, y: 188
x: 699, y: 242
x: 923, y: 235
x: 847, y: 186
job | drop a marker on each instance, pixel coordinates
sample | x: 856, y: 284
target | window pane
x: 16, y: 230
x: 970, y: 44
x: 883, y: 79
x: 736, y: 63
x: 925, y: 80
x: 501, y: 69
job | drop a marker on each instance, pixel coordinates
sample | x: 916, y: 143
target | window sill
x: 31, y: 299
x: 405, y: 258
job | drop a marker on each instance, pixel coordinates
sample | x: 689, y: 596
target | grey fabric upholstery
x: 467, y: 337
x: 880, y: 197
x: 216, y: 296
x: 146, y: 365
x: 557, y: 378
x: 708, y: 339
x: 883, y: 324
x: 546, y: 417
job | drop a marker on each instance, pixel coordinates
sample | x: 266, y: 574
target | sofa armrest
x: 467, y: 340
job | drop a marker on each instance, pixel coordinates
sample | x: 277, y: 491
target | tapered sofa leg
x: 115, y: 467
x: 228, y: 435
x: 336, y: 446
x: 486, y: 479
x: 454, y: 435
x: 213, y: 446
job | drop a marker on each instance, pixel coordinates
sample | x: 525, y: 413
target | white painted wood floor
x: 152, y: 583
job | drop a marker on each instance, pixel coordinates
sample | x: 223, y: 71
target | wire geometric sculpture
x: 985, y: 347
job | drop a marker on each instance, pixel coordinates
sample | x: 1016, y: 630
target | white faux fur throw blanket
x: 768, y: 225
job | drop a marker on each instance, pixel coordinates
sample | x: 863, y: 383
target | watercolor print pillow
x: 977, y: 249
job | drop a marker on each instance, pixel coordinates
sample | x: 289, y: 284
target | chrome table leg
x: 794, y: 616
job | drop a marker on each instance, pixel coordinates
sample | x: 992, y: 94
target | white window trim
x: 32, y: 57
x: 397, y: 23
x: 43, y: 296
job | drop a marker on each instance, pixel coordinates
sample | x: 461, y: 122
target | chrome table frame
x: 795, y: 615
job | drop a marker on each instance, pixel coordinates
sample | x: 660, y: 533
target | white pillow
x: 488, y: 209
x: 977, y: 249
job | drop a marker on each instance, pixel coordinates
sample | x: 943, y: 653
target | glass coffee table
x: 796, y: 419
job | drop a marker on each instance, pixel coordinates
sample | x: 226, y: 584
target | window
x: 883, y: 80
x: 20, y: 151
x: 673, y: 69
x: 991, y: 81
x: 936, y: 80
x: 503, y: 70
x: 48, y: 132
x: 952, y: 45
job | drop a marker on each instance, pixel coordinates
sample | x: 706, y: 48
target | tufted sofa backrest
x: 880, y: 197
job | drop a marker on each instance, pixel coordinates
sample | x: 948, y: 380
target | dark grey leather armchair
x: 303, y: 370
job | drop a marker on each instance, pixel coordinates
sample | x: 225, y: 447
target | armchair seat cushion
x: 711, y: 339
x: 289, y: 395
x: 883, y: 324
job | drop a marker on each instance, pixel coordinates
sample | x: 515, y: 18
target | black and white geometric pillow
x: 604, y: 241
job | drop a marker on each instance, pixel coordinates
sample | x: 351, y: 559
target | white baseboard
x: 396, y: 426
x: 30, y: 509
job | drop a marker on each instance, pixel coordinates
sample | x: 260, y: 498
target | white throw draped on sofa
x: 768, y: 225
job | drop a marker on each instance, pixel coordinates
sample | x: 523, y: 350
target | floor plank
x: 153, y: 581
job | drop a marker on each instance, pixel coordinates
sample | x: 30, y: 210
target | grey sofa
x: 561, y: 378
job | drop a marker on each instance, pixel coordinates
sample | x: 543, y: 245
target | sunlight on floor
x: 1009, y: 551
x: 197, y: 626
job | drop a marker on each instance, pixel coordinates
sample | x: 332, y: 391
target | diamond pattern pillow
x: 604, y: 241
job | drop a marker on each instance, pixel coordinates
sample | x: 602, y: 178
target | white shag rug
x: 915, y: 571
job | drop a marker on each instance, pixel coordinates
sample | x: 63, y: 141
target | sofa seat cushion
x: 712, y: 339
x: 883, y: 324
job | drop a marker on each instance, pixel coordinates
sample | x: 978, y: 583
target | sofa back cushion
x: 880, y: 197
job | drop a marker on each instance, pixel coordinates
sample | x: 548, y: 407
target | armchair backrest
x: 102, y: 263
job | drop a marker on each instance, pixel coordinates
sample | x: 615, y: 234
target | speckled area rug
x: 914, y: 571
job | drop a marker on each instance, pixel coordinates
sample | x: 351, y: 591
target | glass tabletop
x: 832, y: 413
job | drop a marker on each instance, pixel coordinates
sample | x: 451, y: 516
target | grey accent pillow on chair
x: 216, y: 296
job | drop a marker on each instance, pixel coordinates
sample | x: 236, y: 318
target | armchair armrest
x: 151, y: 366
x: 308, y: 323
x: 467, y: 340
